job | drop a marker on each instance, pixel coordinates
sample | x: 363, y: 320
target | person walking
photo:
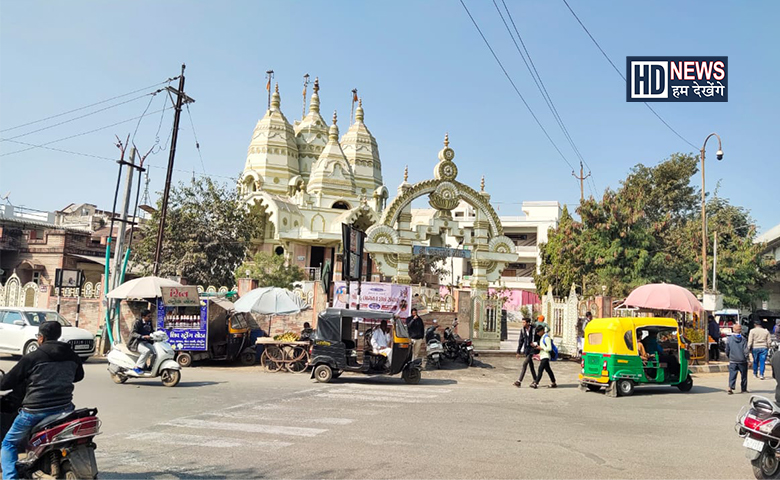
x: 713, y: 329
x: 759, y: 341
x: 545, y: 350
x: 526, y: 348
x: 416, y: 333
x: 737, y: 353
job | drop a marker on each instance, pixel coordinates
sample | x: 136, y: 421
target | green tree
x: 207, y: 231
x: 270, y: 271
x: 423, y: 267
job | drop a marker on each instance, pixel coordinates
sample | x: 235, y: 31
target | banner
x: 180, y: 296
x: 377, y: 297
x: 186, y: 326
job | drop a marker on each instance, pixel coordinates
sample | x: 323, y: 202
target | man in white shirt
x: 380, y: 340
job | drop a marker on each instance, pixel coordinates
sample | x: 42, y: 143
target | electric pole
x: 581, y: 178
x: 181, y: 98
x: 120, y: 238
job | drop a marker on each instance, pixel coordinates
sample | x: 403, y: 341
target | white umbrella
x: 270, y: 301
x: 145, y: 287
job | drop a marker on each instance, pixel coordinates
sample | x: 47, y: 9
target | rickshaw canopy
x: 333, y: 321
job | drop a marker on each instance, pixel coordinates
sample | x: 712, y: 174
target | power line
x: 623, y: 76
x: 87, y: 106
x: 132, y: 139
x: 537, y: 79
x: 517, y: 91
x: 71, y: 136
x: 197, y: 143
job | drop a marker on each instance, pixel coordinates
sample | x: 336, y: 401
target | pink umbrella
x: 664, y: 296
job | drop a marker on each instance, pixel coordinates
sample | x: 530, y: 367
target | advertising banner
x: 375, y: 296
x: 186, y: 325
x: 180, y: 296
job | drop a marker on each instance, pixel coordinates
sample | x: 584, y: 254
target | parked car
x: 19, y: 328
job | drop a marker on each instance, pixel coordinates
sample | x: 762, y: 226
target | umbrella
x: 145, y: 287
x: 664, y: 296
x: 270, y: 301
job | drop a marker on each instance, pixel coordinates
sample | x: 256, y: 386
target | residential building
x: 772, y: 250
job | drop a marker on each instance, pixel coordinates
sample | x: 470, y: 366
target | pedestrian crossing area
x: 312, y: 414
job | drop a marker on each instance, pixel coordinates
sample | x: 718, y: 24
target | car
x: 19, y: 328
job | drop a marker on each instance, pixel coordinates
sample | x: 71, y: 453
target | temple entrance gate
x: 390, y: 242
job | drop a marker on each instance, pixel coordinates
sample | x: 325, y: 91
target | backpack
x: 554, y: 349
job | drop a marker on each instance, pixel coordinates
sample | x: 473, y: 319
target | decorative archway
x: 391, y: 241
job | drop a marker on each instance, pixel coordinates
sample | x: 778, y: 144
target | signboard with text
x: 375, y: 296
x: 441, y: 251
x: 180, y: 296
x: 186, y: 326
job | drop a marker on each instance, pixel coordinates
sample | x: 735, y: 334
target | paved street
x: 240, y: 422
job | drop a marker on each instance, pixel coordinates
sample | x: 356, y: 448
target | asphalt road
x: 239, y: 422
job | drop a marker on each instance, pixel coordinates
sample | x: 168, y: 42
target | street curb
x: 708, y: 368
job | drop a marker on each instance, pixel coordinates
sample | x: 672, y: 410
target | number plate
x: 469, y: 348
x: 82, y: 347
x: 753, y: 444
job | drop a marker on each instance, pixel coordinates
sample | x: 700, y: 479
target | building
x: 772, y: 250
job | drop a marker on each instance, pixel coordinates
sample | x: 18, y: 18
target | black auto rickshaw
x: 228, y: 336
x: 335, y: 350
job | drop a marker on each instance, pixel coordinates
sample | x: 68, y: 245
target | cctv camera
x: 719, y: 154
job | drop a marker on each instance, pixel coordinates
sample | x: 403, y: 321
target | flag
x: 354, y: 95
x: 268, y: 85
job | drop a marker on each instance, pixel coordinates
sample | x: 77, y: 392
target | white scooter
x: 121, y: 362
x: 433, y: 347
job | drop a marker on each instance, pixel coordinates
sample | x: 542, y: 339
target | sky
x: 421, y: 69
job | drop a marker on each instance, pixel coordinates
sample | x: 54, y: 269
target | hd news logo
x: 677, y: 79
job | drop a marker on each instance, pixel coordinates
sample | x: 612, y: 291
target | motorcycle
x: 759, y: 424
x: 772, y: 350
x: 455, y: 347
x: 60, y: 445
x: 162, y: 363
x: 433, y: 346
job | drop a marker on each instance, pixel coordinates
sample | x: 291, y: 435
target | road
x: 240, y: 422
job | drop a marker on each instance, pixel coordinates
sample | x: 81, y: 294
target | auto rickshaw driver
x: 380, y: 340
x: 651, y: 346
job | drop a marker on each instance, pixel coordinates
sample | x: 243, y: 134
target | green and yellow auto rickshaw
x: 620, y: 353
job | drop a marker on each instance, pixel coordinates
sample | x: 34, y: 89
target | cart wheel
x: 270, y: 360
x: 625, y: 387
x: 184, y: 359
x: 248, y: 358
x: 686, y: 385
x: 323, y: 373
x: 297, y: 360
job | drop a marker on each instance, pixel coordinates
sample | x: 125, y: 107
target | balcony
x: 526, y: 249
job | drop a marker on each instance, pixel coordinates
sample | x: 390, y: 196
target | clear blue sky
x: 421, y: 69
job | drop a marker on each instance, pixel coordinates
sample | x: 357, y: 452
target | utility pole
x: 581, y: 178
x: 120, y: 238
x: 181, y: 98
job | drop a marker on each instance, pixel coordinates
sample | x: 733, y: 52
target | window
x: 36, y: 318
x: 594, y: 338
x: 522, y: 237
x: 10, y: 317
x: 458, y: 214
x: 36, y: 277
x: 279, y: 250
x: 628, y: 337
x: 340, y: 205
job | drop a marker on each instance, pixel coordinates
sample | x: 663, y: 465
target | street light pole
x: 719, y: 156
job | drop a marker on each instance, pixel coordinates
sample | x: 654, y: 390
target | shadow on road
x: 221, y: 473
x: 390, y: 381
x: 152, y: 383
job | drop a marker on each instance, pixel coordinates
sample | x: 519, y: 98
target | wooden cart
x: 284, y: 356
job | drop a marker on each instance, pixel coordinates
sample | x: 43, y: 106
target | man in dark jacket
x: 526, y: 348
x: 776, y: 375
x: 713, y: 329
x: 737, y: 353
x: 139, y: 339
x: 416, y: 333
x: 48, y: 374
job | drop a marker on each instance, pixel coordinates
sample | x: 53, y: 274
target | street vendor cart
x: 281, y: 355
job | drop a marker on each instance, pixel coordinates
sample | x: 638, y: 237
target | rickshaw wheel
x: 323, y: 373
x: 184, y: 359
x: 766, y: 466
x: 686, y: 385
x: 248, y: 358
x: 412, y: 376
x: 625, y: 387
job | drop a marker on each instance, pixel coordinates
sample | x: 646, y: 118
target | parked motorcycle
x: 121, y: 362
x: 433, y: 346
x: 772, y: 350
x: 759, y: 424
x: 60, y: 446
x: 455, y: 347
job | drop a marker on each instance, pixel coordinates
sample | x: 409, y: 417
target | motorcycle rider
x: 139, y: 339
x: 49, y: 374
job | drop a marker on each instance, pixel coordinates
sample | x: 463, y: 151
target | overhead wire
x: 87, y: 106
x: 195, y: 135
x: 514, y: 86
x: 623, y: 76
x: 532, y: 70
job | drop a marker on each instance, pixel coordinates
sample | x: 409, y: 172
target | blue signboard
x: 186, y: 326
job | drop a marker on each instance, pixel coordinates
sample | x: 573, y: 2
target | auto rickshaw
x: 611, y: 358
x: 334, y: 348
x: 228, y: 336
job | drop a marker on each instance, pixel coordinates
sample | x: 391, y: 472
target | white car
x: 19, y: 328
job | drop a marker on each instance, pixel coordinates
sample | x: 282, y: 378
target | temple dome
x: 362, y: 152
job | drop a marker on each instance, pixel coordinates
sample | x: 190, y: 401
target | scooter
x: 759, y: 424
x: 60, y: 445
x: 121, y: 362
x: 433, y: 347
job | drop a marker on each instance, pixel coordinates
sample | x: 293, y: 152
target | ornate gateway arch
x: 390, y: 242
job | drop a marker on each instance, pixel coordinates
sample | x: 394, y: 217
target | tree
x: 422, y: 267
x: 207, y: 231
x: 270, y: 271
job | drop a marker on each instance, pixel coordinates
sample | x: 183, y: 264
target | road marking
x: 367, y: 398
x: 394, y: 388
x: 381, y: 393
x: 203, y: 441
x: 245, y: 427
x: 300, y: 419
